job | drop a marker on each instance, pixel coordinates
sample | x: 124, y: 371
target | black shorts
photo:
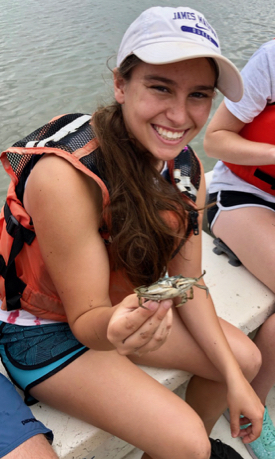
x: 228, y: 200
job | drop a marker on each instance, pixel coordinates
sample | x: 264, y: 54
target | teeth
x: 168, y: 135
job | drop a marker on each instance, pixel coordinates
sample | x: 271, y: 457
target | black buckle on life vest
x: 194, y: 221
x: 14, y: 286
x: 12, y: 225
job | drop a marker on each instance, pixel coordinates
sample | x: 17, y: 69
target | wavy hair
x: 143, y: 239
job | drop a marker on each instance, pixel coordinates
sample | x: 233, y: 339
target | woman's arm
x: 199, y: 314
x: 200, y: 318
x: 65, y: 206
x: 222, y: 141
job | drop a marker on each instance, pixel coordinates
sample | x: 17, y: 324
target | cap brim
x: 229, y: 81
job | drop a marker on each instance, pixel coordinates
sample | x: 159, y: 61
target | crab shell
x: 168, y: 287
x: 162, y: 293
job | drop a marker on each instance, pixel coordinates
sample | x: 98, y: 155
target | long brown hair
x: 143, y: 241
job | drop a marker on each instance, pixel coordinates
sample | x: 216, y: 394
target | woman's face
x: 165, y: 106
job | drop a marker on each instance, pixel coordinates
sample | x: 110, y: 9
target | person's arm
x: 200, y: 317
x: 222, y: 141
x: 199, y: 314
x: 65, y: 206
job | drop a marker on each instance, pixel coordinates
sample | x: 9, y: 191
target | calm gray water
x: 54, y: 54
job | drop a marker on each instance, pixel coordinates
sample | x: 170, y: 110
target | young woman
x: 98, y: 208
x: 241, y: 135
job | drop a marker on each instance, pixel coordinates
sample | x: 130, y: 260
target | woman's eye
x: 160, y: 88
x: 201, y: 95
x: 198, y: 95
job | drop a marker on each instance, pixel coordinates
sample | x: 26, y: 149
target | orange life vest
x: 24, y: 280
x: 261, y: 129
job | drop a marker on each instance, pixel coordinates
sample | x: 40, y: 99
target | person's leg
x: 108, y: 391
x: 249, y: 233
x: 21, y: 435
x: 264, y: 446
x: 205, y: 392
x: 33, y: 448
x: 265, y: 340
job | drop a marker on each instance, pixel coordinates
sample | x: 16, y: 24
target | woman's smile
x: 169, y: 134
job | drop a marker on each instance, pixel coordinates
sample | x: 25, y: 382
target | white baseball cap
x: 162, y: 35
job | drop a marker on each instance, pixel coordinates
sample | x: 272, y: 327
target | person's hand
x: 133, y: 329
x: 242, y: 400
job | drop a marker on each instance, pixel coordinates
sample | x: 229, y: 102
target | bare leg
x: 206, y: 392
x: 207, y: 389
x: 33, y: 448
x: 110, y: 392
x: 211, y: 402
x: 248, y: 223
x: 265, y: 340
x: 249, y: 233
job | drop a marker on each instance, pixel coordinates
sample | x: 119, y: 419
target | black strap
x: 14, y: 286
x: 265, y: 178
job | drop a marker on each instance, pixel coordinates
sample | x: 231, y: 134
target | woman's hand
x: 133, y: 329
x: 242, y: 400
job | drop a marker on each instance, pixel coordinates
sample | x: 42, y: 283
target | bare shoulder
x: 54, y: 184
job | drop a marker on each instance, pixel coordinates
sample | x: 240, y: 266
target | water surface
x: 54, y: 55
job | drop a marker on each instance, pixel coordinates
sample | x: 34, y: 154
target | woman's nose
x: 178, y: 113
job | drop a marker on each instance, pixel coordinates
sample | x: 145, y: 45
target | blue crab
x: 170, y: 287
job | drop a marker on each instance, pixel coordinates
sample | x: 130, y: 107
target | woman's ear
x: 119, y: 86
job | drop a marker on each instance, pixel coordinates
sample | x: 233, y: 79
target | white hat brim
x: 229, y: 81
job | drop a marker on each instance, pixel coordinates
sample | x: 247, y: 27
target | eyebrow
x: 173, y: 83
x: 159, y: 78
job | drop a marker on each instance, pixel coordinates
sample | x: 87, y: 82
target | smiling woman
x: 165, y: 106
x: 106, y: 204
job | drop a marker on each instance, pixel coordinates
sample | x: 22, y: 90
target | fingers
x: 141, y: 330
x: 252, y: 432
x: 248, y: 430
x: 152, y: 334
x: 235, y: 424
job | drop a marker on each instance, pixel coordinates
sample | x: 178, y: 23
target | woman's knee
x: 195, y: 443
x: 245, y: 350
x: 185, y: 438
x: 191, y: 447
x: 250, y: 360
x: 199, y: 449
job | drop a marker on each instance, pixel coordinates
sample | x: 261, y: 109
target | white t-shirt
x: 259, y: 90
x: 21, y: 317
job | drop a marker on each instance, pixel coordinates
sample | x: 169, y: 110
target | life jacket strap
x: 14, y: 286
x: 265, y: 178
x: 63, y: 132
